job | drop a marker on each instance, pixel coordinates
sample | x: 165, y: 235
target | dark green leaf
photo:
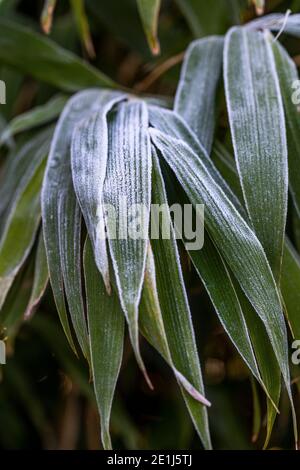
x: 41, y: 58
x: 106, y: 328
x: 149, y: 11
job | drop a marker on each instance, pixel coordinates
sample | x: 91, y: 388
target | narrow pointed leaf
x: 33, y: 118
x: 17, y: 165
x: 149, y: 11
x: 127, y: 186
x: 269, y: 369
x: 196, y: 91
x: 41, y: 277
x: 47, y: 15
x: 233, y: 237
x: 22, y: 223
x: 106, y: 327
x: 89, y: 160
x: 152, y: 325
x: 58, y: 191
x: 83, y: 26
x: 176, y: 313
x: 49, y: 62
x: 255, y: 111
x: 218, y: 282
x: 69, y: 237
x: 266, y: 359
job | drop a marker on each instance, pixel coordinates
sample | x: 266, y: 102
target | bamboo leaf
x: 152, y: 325
x: 196, y: 91
x: 170, y: 123
x: 149, y: 12
x: 43, y: 59
x: 207, y: 261
x: 34, y: 118
x: 176, y: 313
x: 47, y: 15
x: 16, y: 301
x: 89, y: 154
x: 254, y: 112
x: 58, y: 192
x: 234, y: 239
x: 106, y: 327
x: 288, y: 75
x: 18, y: 163
x: 268, y: 368
x: 128, y: 188
x: 83, y: 26
x: 41, y: 277
x: 22, y: 223
x: 69, y: 237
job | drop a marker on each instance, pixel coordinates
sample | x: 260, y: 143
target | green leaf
x: 208, y: 262
x: 149, y: 11
x: 290, y: 287
x: 22, y: 223
x: 170, y: 123
x: 69, y: 237
x: 261, y: 344
x: 41, y: 277
x: 58, y: 193
x: 288, y: 76
x: 83, y: 26
x: 17, y: 164
x: 205, y: 20
x: 264, y: 352
x: 47, y: 15
x: 34, y: 118
x: 44, y: 60
x: 152, y: 325
x: 106, y: 328
x: 234, y: 239
x: 89, y: 154
x: 127, y: 186
x: 176, y: 313
x: 256, y: 411
x: 254, y: 112
x: 16, y: 301
x: 196, y: 91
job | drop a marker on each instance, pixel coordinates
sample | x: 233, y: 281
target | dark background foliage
x: 46, y: 400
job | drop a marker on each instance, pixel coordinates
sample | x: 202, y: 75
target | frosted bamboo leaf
x: 128, y: 184
x: 257, y: 126
x: 196, y: 92
x: 89, y: 159
x: 57, y: 193
x: 233, y: 237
